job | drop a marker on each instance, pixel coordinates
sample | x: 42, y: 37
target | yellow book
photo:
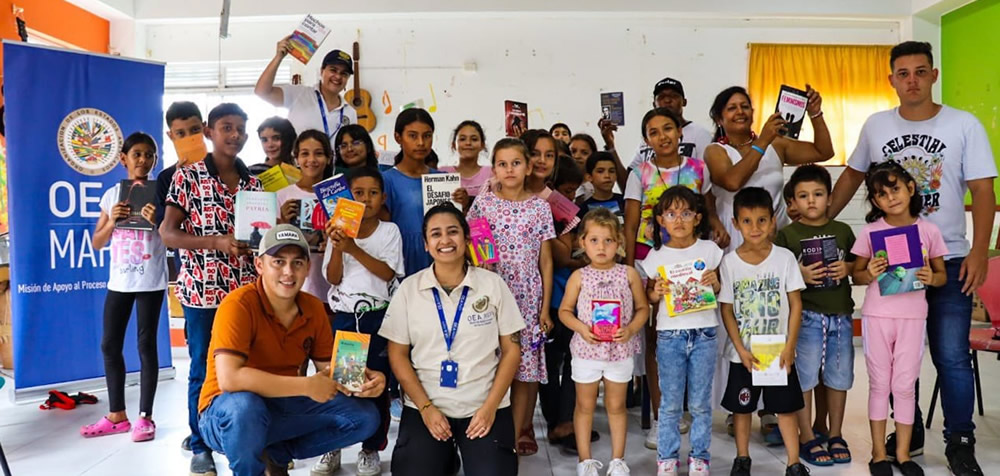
x: 273, y: 179
x: 292, y: 173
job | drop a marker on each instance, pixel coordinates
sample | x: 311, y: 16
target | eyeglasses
x: 354, y: 144
x: 684, y: 216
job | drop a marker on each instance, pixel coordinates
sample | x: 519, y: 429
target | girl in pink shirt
x: 895, y: 309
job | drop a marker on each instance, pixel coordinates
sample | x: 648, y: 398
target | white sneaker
x: 697, y: 467
x: 666, y: 468
x: 685, y: 424
x: 326, y: 465
x: 369, y: 464
x: 588, y: 467
x: 617, y: 467
x: 653, y: 436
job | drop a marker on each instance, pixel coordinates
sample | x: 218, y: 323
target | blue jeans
x: 826, y: 342
x: 242, y: 425
x: 198, y: 323
x: 949, y: 315
x: 685, y: 357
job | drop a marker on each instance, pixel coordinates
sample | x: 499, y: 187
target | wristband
x: 757, y: 148
x: 815, y: 116
x: 425, y: 406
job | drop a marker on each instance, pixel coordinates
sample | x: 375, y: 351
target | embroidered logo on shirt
x: 482, y: 320
x: 481, y: 304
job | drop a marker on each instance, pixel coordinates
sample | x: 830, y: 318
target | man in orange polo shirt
x: 255, y: 408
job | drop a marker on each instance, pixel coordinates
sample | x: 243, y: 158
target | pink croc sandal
x: 105, y: 427
x: 143, y: 430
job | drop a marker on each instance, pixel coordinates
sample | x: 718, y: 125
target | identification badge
x: 449, y: 374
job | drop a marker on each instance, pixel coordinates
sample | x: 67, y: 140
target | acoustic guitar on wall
x: 359, y: 98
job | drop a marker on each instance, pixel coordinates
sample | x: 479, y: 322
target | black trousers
x: 417, y: 453
x: 558, y: 397
x: 117, y: 312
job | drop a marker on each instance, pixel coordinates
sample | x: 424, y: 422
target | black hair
x: 586, y: 138
x: 359, y: 172
x: 357, y: 132
x: 468, y: 123
x: 137, y: 138
x: 432, y: 160
x: 810, y: 173
x: 908, y: 48
x: 694, y: 201
x: 531, y: 138
x: 752, y: 197
x: 182, y: 110
x: 448, y: 208
x: 324, y: 142
x: 223, y: 110
x: 719, y: 105
x: 569, y: 172
x: 407, y: 117
x: 286, y: 130
x: 558, y: 125
x: 660, y: 111
x: 598, y: 157
x: 887, y: 174
x: 562, y: 148
x: 788, y: 192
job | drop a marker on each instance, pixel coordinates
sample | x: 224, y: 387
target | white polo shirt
x: 490, y: 312
x: 304, y: 110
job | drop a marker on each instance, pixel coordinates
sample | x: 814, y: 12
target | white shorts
x: 590, y: 371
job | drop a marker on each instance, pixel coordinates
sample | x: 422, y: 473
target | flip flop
x: 839, y: 455
x: 105, y: 427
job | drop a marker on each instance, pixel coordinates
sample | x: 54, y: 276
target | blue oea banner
x: 66, y: 116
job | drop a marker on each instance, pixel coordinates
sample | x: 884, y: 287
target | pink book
x: 606, y: 318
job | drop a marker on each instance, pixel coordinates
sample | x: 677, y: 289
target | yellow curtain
x: 853, y: 81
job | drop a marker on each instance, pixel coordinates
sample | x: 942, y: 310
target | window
x: 852, y: 80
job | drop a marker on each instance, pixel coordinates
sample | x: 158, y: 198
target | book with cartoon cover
x: 482, y: 246
x: 350, y: 357
x: 605, y: 318
x: 767, y: 350
x: 687, y: 294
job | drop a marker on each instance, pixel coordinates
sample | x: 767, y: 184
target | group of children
x: 613, y: 251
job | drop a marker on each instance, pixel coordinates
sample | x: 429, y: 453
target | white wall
x: 557, y: 65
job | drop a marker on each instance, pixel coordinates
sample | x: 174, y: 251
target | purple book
x: 821, y: 248
x: 901, y: 246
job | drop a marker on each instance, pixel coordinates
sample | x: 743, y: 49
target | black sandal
x: 812, y: 457
x: 839, y: 455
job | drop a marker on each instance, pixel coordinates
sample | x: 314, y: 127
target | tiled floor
x: 47, y: 443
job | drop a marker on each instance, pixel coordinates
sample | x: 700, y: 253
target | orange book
x: 347, y: 215
x: 190, y: 149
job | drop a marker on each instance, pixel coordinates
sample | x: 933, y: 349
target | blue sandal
x: 839, y: 455
x: 812, y: 457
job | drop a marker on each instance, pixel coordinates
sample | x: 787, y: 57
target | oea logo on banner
x: 90, y: 141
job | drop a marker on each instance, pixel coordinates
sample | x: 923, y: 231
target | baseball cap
x: 339, y: 57
x: 668, y: 83
x: 281, y: 236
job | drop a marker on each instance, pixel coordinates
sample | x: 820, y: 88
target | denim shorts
x: 826, y: 345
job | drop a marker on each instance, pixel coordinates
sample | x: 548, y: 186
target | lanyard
x: 322, y: 112
x: 449, y: 338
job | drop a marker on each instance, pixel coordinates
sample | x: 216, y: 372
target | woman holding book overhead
x: 456, y: 389
x: 739, y: 157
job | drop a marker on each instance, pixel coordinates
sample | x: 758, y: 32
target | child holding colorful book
x: 686, y: 325
x: 605, y: 306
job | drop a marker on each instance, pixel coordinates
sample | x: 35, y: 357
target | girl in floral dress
x: 522, y: 226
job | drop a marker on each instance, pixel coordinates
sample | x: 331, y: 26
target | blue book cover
x: 329, y: 190
x: 901, y: 247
